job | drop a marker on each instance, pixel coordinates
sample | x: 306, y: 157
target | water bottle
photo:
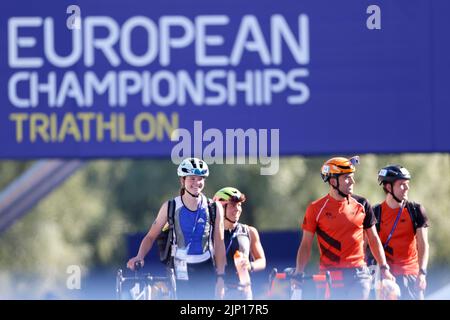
x: 244, y: 276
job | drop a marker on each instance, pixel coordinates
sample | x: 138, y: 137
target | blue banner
x: 95, y: 79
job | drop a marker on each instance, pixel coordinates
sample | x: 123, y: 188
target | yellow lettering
x: 138, y: 129
x: 123, y: 136
x: 163, y: 124
x: 69, y: 126
x: 53, y: 126
x: 39, y: 124
x: 19, y: 118
x: 104, y: 125
x: 86, y: 118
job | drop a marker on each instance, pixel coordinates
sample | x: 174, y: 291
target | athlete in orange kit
x: 341, y: 220
x: 402, y: 227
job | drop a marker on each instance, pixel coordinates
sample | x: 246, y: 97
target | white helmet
x: 193, y: 167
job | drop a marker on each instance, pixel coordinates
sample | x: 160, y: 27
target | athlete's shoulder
x: 417, y: 209
x: 413, y: 203
x: 360, y: 199
x: 320, y: 201
x: 178, y: 202
x: 251, y: 229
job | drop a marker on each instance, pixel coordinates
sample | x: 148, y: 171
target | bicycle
x: 281, y: 287
x: 154, y: 287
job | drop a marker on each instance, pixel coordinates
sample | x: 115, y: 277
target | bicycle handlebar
x: 302, y: 276
x: 314, y: 277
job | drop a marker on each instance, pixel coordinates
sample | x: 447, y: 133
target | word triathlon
x: 232, y: 147
x: 220, y: 47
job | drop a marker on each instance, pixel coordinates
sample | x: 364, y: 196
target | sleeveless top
x: 236, y: 239
x: 193, y: 229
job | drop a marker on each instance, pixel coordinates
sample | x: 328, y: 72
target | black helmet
x: 392, y: 173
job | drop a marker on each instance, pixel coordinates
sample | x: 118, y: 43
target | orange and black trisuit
x: 339, y: 226
x: 340, y: 232
x: 401, y: 251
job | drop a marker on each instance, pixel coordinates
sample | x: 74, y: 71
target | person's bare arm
x: 378, y: 252
x: 304, y: 251
x: 423, y: 253
x: 150, y: 237
x: 219, y: 245
x: 257, y: 251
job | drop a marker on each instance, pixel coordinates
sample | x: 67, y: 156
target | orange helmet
x: 337, y: 166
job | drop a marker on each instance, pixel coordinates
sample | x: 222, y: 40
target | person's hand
x: 245, y: 264
x: 131, y: 263
x: 421, y: 282
x: 220, y: 288
x: 386, y: 274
